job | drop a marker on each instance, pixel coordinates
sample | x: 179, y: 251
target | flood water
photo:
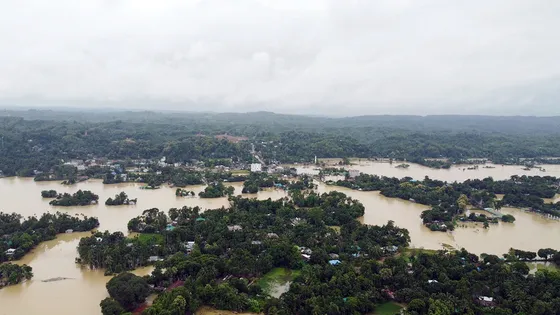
x: 458, y: 173
x: 84, y: 288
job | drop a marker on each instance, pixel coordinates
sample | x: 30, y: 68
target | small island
x: 120, y: 199
x: 404, y: 165
x: 49, y: 193
x: 80, y: 198
x: 184, y: 193
x: 11, y: 274
x: 216, y: 190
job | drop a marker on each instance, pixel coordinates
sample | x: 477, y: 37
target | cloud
x: 316, y: 56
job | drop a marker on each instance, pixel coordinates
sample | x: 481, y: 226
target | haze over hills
x: 273, y: 122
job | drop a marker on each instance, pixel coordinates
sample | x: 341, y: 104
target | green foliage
x: 111, y: 307
x: 120, y: 199
x: 388, y: 308
x: 128, y: 290
x: 49, y: 193
x: 216, y: 190
x: 24, y: 235
x: 11, y: 274
x: 508, y: 218
x: 79, y: 198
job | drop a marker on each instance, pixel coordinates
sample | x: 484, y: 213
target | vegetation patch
x: 275, y: 277
x: 389, y: 308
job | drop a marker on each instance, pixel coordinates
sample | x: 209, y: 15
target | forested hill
x: 39, y: 139
x: 256, y: 122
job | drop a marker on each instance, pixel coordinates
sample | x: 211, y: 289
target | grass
x: 547, y: 266
x: 388, y: 308
x: 146, y: 238
x: 276, y: 276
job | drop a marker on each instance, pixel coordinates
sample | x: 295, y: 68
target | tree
x: 416, y: 306
x: 439, y: 307
x: 128, y: 290
x: 508, y: 218
x: 546, y: 253
x: 111, y: 307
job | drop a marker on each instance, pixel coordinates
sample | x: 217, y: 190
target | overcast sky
x: 327, y: 57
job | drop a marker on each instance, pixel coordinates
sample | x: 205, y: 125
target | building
x: 307, y: 171
x: 486, y: 301
x: 256, y: 167
x: 334, y: 262
x: 154, y: 259
x: 234, y: 228
x: 10, y: 252
x: 353, y: 173
x: 69, y: 231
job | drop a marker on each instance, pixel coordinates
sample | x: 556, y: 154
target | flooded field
x: 83, y: 289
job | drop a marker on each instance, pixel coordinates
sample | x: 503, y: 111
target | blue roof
x: 334, y: 262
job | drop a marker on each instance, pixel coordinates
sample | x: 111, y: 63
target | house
x: 432, y: 281
x: 334, y: 262
x: 353, y: 173
x: 390, y: 249
x: 10, y: 252
x: 485, y: 301
x: 308, y: 171
x: 305, y: 250
x: 190, y: 246
x: 256, y: 242
x: 334, y: 256
x: 256, y: 167
x: 99, y: 239
x: 305, y: 256
x: 154, y: 259
x: 234, y: 228
x: 69, y: 231
x: 271, y: 235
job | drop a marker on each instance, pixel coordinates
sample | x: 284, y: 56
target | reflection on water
x: 82, y: 292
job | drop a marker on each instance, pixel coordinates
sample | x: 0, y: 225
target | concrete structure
x: 353, y: 173
x: 308, y: 171
x: 256, y: 167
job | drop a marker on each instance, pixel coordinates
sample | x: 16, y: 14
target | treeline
x: 39, y: 145
x: 20, y: 235
x: 79, y: 198
x: 256, y: 181
x: 448, y: 200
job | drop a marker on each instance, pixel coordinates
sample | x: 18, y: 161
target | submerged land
x: 280, y: 214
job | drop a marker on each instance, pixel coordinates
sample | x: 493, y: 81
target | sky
x: 321, y: 57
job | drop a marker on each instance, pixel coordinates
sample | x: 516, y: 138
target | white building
x: 353, y: 173
x: 256, y: 167
x: 308, y: 171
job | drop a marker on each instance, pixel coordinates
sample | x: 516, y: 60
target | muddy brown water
x: 83, y: 289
